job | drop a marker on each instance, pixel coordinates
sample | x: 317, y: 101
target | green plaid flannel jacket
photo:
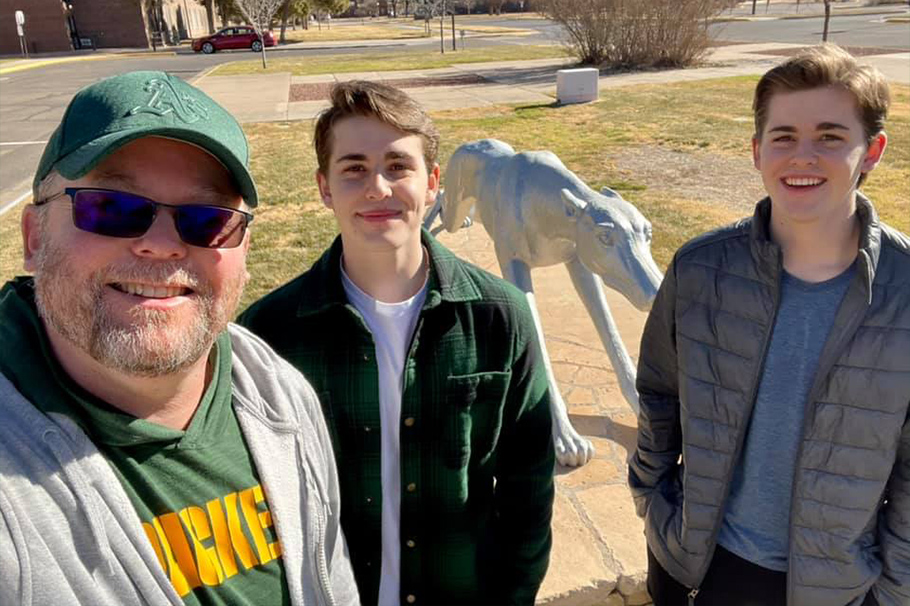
x: 477, y: 456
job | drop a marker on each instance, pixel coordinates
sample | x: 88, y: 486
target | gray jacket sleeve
x: 893, y: 586
x: 10, y: 568
x: 659, y: 434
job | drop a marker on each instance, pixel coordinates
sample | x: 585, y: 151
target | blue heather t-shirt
x: 756, y: 524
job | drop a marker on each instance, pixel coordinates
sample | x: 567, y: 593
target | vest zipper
x: 691, y: 595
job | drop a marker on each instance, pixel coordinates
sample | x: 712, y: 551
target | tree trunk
x: 442, y: 20
x: 284, y: 20
x: 453, y: 31
x: 827, y: 20
x: 210, y: 15
x: 753, y: 6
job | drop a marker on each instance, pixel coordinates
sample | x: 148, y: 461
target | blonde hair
x: 821, y: 66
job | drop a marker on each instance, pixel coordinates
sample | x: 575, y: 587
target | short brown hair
x: 821, y: 66
x: 374, y: 100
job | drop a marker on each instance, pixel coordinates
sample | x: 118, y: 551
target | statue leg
x: 434, y: 212
x: 591, y: 290
x: 571, y: 448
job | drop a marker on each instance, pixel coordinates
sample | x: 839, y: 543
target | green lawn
x: 707, y: 121
x: 389, y: 60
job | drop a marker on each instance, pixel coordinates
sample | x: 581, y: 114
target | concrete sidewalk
x: 265, y: 97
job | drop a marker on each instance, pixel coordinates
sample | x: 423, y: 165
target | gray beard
x: 152, y: 344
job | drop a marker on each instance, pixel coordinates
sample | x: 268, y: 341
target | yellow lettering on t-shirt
x: 200, y: 546
x: 178, y: 580
x: 265, y: 521
x: 251, y: 513
x: 222, y: 538
x: 153, y: 539
x: 238, y: 540
x: 197, y: 526
x: 181, y: 548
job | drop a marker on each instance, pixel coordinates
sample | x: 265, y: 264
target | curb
x: 35, y: 63
x: 203, y: 74
x: 26, y: 64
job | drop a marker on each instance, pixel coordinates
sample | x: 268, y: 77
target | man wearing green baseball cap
x: 151, y: 452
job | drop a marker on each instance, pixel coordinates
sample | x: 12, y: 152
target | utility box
x: 576, y: 85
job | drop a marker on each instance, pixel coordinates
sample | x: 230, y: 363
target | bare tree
x: 259, y: 14
x: 324, y: 8
x: 225, y: 9
x: 658, y: 33
x: 210, y: 14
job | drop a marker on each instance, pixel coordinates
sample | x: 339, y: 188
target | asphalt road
x: 32, y: 101
x: 858, y: 30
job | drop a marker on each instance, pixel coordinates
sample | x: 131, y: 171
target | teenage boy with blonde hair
x: 428, y: 371
x: 773, y: 459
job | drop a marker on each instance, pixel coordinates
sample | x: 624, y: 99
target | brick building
x: 62, y: 25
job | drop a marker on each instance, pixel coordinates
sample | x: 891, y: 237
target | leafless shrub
x: 635, y: 33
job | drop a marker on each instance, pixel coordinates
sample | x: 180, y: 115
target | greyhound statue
x: 539, y: 213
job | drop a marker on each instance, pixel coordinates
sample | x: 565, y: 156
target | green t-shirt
x: 196, y: 491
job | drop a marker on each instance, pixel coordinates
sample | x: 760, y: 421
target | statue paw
x: 572, y: 450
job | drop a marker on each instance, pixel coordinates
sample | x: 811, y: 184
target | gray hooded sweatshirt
x: 69, y: 534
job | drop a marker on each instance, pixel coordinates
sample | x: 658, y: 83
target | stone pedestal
x: 576, y: 85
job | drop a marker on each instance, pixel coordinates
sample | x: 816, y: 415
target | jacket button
x: 412, y: 487
x: 366, y: 357
x: 367, y: 429
x: 409, y: 422
x: 411, y: 598
x: 369, y: 499
x: 411, y: 544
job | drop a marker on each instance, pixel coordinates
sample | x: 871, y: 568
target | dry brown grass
x: 380, y: 61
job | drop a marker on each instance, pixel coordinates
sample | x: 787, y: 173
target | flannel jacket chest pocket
x: 472, y: 417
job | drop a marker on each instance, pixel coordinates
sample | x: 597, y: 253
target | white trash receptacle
x: 576, y: 85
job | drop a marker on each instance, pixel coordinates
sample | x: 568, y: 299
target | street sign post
x: 20, y: 29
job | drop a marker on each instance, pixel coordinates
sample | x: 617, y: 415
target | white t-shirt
x: 392, y: 325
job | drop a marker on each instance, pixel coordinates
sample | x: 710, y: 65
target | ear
x: 756, y: 153
x: 609, y: 193
x: 874, y: 152
x: 31, y: 236
x: 324, y: 192
x: 572, y: 205
x: 433, y: 179
x: 247, y: 238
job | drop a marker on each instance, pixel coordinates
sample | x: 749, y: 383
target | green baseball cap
x: 110, y: 113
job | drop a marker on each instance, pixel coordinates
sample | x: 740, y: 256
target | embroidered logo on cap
x: 165, y: 100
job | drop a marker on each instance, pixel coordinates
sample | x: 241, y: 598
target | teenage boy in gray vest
x: 428, y: 371
x: 151, y: 453
x: 773, y: 459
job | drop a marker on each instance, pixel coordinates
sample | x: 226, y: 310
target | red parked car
x: 236, y: 36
